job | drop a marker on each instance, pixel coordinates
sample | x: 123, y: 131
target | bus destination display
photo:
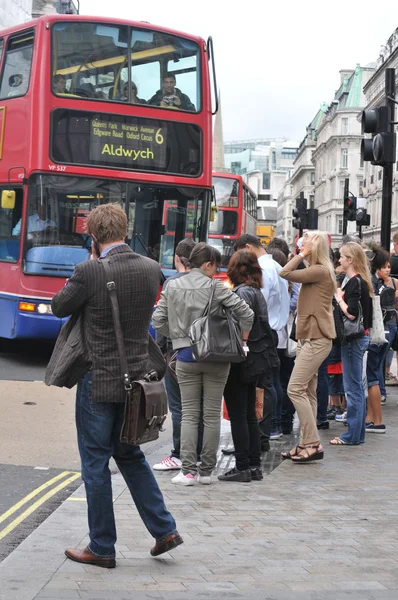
x: 132, y: 142
x: 125, y: 142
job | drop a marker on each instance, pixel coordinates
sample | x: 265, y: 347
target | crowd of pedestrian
x: 309, y: 350
x: 284, y: 333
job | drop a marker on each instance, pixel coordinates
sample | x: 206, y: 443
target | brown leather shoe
x: 85, y: 557
x: 166, y: 545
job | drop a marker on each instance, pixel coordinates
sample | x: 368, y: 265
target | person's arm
x: 72, y: 297
x: 160, y: 318
x: 17, y: 228
x: 294, y: 297
x: 267, y: 284
x: 224, y: 296
x: 348, y: 299
x: 312, y: 274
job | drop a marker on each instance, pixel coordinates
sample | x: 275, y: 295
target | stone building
x: 13, y: 12
x: 329, y: 153
x: 373, y: 175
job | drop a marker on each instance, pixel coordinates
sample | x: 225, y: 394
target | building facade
x: 265, y: 164
x: 373, y: 175
x: 63, y: 7
x: 328, y: 155
x: 13, y: 12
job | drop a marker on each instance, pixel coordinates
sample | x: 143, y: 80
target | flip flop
x: 337, y: 442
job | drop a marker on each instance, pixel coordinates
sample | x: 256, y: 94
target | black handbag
x: 338, y: 324
x: 146, y: 401
x: 354, y: 328
x: 216, y: 338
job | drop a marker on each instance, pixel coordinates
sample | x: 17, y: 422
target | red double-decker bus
x: 92, y: 111
x: 236, y: 213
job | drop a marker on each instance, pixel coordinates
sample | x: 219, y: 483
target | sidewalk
x: 320, y: 531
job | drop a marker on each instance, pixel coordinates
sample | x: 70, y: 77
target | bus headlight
x: 44, y: 309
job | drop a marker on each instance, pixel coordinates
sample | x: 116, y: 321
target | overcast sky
x: 276, y: 61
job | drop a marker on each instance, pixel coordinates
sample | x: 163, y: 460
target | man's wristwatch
x: 301, y: 254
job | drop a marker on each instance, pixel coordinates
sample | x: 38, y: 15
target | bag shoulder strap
x: 111, y: 287
x: 208, y: 305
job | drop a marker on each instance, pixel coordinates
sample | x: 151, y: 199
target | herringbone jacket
x: 137, y: 280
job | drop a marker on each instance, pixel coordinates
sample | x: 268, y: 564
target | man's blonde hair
x: 107, y: 223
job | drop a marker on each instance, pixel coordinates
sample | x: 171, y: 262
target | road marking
x: 36, y: 505
x: 41, y: 468
x: 75, y: 499
x: 35, y: 492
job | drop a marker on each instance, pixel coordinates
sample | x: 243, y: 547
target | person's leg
x: 310, y: 355
x: 254, y: 430
x: 214, y: 380
x: 95, y: 422
x: 236, y: 396
x: 174, y: 401
x: 279, y: 397
x: 142, y: 484
x: 375, y: 357
x: 288, y: 410
x: 265, y: 423
x: 322, y: 393
x: 191, y: 386
x: 352, y: 356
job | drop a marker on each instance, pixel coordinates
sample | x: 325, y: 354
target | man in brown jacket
x: 100, y: 394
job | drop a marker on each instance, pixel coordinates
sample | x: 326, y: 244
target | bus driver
x: 36, y: 222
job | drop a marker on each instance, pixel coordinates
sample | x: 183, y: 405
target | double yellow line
x: 11, y: 526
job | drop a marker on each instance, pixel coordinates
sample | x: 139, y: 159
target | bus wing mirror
x: 8, y: 199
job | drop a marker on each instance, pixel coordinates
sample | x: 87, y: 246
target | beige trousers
x: 303, y: 384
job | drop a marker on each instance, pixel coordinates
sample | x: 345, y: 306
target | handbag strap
x: 111, y: 287
x: 208, y: 305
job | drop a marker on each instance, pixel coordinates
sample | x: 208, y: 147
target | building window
x: 361, y: 162
x: 266, y: 181
x: 344, y: 158
x: 344, y: 126
x: 379, y: 175
x: 312, y: 201
x: 342, y: 190
x: 340, y: 225
x: 372, y: 179
x: 364, y: 183
x: 265, y: 196
x: 312, y: 177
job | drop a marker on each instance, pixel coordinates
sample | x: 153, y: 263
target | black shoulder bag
x: 146, y: 401
x: 354, y: 328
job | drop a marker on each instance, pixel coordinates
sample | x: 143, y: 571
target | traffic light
x: 300, y: 214
x: 380, y: 149
x: 350, y: 208
x: 362, y: 217
x: 312, y: 218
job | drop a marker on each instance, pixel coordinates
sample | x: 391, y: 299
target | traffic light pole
x: 388, y: 170
x: 346, y: 194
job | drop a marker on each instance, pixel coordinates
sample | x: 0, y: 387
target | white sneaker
x: 203, y: 479
x: 341, y: 418
x: 182, y: 479
x: 168, y: 464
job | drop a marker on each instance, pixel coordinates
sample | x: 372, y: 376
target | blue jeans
x: 391, y: 332
x: 98, y: 435
x: 322, y: 392
x: 352, y: 357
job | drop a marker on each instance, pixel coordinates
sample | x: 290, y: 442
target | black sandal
x: 286, y: 455
x: 310, y: 457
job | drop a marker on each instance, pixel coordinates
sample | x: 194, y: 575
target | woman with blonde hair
x: 315, y: 332
x: 354, y: 300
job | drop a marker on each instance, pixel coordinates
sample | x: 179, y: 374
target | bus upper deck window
x: 17, y: 66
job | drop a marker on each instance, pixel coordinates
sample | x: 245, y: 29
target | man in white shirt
x: 36, y: 222
x: 276, y: 294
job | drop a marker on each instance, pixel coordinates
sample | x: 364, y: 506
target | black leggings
x: 240, y: 399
